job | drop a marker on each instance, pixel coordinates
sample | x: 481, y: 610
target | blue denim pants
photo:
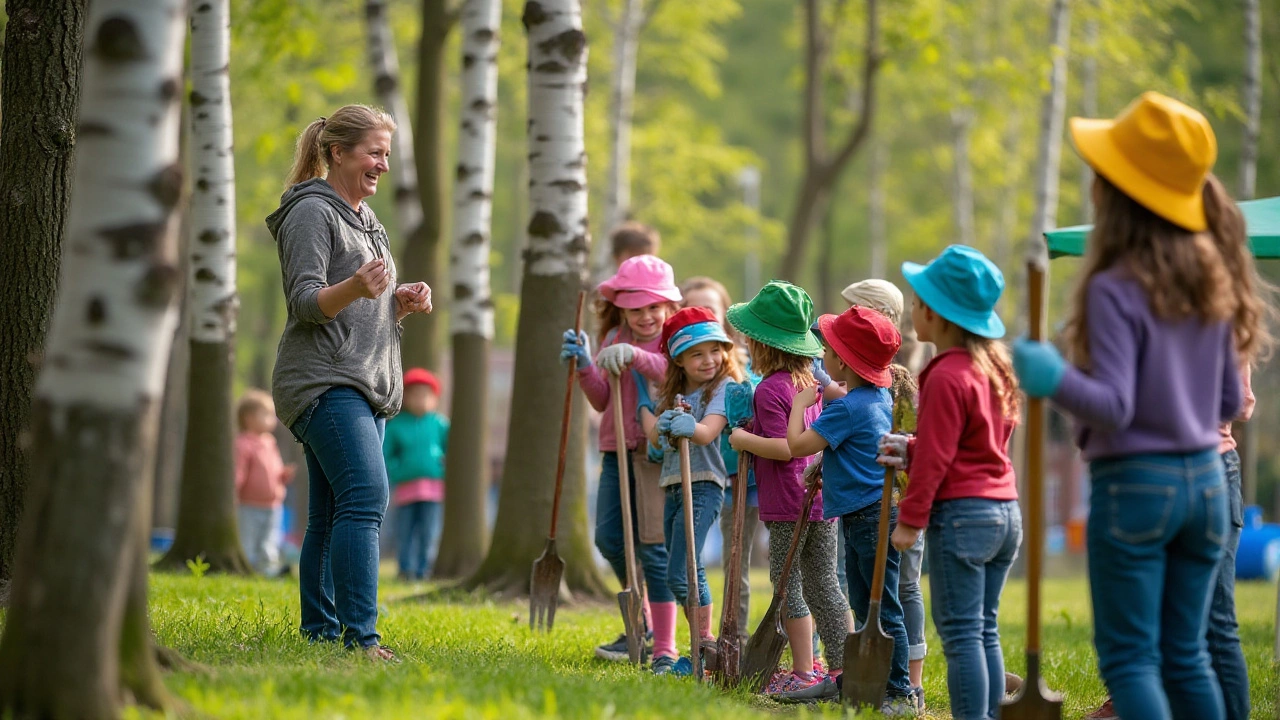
x: 708, y: 498
x: 861, y: 531
x: 416, y: 524
x: 1157, y: 524
x: 338, y: 567
x: 609, y: 539
x: 912, y: 599
x: 972, y: 543
x: 1224, y: 634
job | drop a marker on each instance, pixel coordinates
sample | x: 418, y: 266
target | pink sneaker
x: 794, y: 682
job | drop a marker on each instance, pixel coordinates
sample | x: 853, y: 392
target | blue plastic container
x: 1259, y: 555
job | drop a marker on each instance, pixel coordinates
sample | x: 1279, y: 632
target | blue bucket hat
x: 962, y: 286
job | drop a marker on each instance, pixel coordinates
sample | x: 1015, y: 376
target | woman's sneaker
x: 663, y: 665
x: 616, y: 651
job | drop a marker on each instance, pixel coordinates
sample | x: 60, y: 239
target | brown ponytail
x: 346, y: 128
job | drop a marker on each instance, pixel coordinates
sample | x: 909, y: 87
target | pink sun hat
x: 641, y: 280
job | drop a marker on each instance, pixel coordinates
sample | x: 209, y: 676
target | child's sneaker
x: 901, y: 706
x: 663, y: 665
x: 917, y: 696
x: 616, y: 651
x: 683, y: 667
x: 821, y: 691
x: 794, y: 682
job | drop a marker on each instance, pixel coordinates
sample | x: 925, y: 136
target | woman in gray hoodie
x: 337, y: 377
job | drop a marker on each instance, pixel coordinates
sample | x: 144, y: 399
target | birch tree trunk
x: 43, y: 38
x: 466, y: 476
x: 207, y: 504
x: 1089, y: 108
x: 626, y: 44
x: 386, y: 82
x: 554, y: 263
x: 878, y: 238
x: 67, y: 649
x: 962, y: 175
x: 1052, y: 112
x: 421, y: 343
x: 1248, y: 181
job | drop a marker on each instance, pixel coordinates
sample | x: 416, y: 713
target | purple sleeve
x: 1232, y: 388
x: 773, y: 410
x: 1103, y: 398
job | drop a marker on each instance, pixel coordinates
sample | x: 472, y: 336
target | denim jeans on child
x: 651, y: 558
x: 1224, y: 634
x: 1157, y: 524
x: 338, y: 568
x: 415, y: 534
x: 708, y: 497
x: 861, y: 535
x: 260, y: 536
x: 912, y: 599
x: 972, y: 543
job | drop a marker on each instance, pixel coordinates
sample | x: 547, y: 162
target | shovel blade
x: 868, y: 656
x: 632, y: 607
x: 544, y: 588
x: 764, y: 650
x: 1034, y: 701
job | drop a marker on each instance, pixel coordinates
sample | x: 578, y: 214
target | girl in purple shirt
x: 1165, y: 306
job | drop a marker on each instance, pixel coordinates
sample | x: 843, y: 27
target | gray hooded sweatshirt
x: 321, y: 242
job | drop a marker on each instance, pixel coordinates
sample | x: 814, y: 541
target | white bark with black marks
x: 557, y: 229
x: 1088, y: 107
x: 212, y: 282
x: 622, y: 95
x: 1252, y: 100
x: 386, y: 82
x: 472, y: 310
x: 1049, y: 155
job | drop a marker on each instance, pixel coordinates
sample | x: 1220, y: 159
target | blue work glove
x: 683, y: 426
x: 643, y: 398
x: 737, y: 403
x: 820, y: 373
x: 654, y: 453
x: 664, y: 421
x: 576, y: 345
x: 1039, y: 367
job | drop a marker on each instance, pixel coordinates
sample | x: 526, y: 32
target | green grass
x: 469, y: 657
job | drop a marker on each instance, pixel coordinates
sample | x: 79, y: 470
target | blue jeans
x: 338, y: 567
x: 912, y: 599
x: 260, y: 536
x: 1157, y: 524
x: 415, y: 532
x: 861, y: 534
x: 708, y: 498
x: 1224, y: 633
x: 972, y: 543
x: 609, y: 540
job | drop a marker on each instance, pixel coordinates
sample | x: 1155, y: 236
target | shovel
x: 728, y: 649
x: 868, y: 651
x: 548, y: 569
x: 765, y: 647
x: 1034, y: 700
x: 629, y: 600
x: 692, y: 595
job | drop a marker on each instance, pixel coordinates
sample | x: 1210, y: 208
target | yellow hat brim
x: 1096, y: 144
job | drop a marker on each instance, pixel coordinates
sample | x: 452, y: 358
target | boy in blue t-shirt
x: 860, y: 346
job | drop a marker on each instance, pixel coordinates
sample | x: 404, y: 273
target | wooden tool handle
x: 729, y: 616
x: 693, y: 591
x: 1035, y: 466
x: 564, y: 421
x: 882, y: 539
x: 624, y: 483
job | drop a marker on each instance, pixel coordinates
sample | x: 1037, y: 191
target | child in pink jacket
x: 261, y: 477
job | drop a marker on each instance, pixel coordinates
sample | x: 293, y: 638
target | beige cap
x: 880, y: 295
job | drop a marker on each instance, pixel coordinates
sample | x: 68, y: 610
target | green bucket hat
x: 778, y: 316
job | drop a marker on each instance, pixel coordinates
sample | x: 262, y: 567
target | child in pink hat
x: 633, y: 305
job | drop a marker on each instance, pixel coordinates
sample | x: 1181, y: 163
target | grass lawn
x: 469, y: 657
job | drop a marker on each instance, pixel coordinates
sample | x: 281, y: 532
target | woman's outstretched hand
x: 371, y: 280
x: 412, y: 298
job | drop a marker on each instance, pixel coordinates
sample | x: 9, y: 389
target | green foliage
x: 198, y: 566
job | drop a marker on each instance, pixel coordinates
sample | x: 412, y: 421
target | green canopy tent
x: 1261, y: 216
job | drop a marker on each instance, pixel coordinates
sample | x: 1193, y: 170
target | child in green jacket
x: 414, y: 447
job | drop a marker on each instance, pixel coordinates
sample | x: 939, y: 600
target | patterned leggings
x: 813, y: 583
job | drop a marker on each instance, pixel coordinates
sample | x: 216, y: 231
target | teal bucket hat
x: 778, y: 316
x: 962, y: 286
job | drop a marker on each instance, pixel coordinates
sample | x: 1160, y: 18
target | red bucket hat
x: 422, y: 376
x: 864, y: 340
x: 682, y: 319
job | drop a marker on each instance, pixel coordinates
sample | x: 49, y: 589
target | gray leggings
x: 813, y: 583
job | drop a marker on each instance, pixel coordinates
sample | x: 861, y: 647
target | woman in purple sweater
x: 1166, y: 306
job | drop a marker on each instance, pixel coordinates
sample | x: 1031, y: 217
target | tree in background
x: 206, y: 525
x: 463, y: 538
x: 1052, y: 118
x: 37, y: 142
x: 554, y: 263
x: 75, y: 643
x: 822, y: 168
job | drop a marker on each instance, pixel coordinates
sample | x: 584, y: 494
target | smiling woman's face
x: 357, y: 170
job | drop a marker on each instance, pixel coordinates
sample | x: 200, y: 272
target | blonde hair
x: 253, y: 400
x: 767, y: 360
x: 676, y: 380
x: 347, y: 127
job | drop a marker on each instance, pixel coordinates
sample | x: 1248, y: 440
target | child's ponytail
x: 1251, y: 293
x: 992, y: 359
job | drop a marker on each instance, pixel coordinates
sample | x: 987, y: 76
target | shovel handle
x: 1035, y: 465
x: 624, y: 484
x: 693, y: 592
x: 882, y: 535
x: 564, y: 421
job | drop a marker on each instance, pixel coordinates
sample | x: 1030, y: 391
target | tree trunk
x: 554, y: 263
x: 823, y: 169
x: 626, y: 44
x: 207, y: 505
x: 172, y: 435
x: 421, y: 344
x: 1007, y: 224
x: 1052, y: 113
x: 66, y: 652
x: 43, y: 38
x: 826, y: 283
x: 1248, y: 181
x: 1089, y: 107
x: 962, y: 176
x: 466, y: 476
x: 877, y: 238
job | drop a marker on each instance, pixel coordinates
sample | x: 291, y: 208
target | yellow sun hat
x: 1158, y: 152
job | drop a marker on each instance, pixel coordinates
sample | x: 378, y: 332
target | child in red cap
x: 859, y: 348
x: 414, y: 448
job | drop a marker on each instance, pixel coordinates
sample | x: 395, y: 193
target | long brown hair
x: 991, y: 358
x: 346, y: 128
x: 1210, y: 275
x: 676, y: 381
x: 767, y: 360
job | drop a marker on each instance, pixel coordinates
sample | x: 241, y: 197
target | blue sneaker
x: 683, y: 667
x: 663, y: 665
